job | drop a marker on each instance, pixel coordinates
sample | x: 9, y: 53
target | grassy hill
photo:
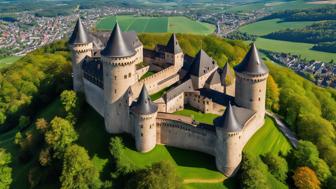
x: 145, y: 24
x: 265, y: 27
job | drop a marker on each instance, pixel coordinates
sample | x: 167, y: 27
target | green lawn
x: 140, y: 24
x: 197, y: 115
x: 265, y: 27
x: 276, y: 142
x: 159, y: 94
x: 147, y: 74
x: 8, y: 60
x: 302, y: 49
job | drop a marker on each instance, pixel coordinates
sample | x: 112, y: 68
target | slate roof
x: 93, y: 70
x: 215, y: 96
x: 144, y: 104
x: 79, y: 35
x: 186, y: 86
x: 202, y: 64
x: 228, y: 121
x: 226, y: 75
x: 173, y: 45
x: 117, y: 46
x: 252, y: 63
x: 214, y: 78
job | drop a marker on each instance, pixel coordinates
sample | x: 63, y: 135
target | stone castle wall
x: 182, y: 135
x: 94, y: 96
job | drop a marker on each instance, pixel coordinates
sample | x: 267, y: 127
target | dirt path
x: 187, y: 181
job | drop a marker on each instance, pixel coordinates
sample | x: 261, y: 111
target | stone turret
x: 174, y: 54
x: 81, y: 47
x: 228, y: 150
x: 119, y: 71
x: 251, y: 79
x: 144, y: 111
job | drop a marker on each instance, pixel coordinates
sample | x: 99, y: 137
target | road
x: 284, y: 129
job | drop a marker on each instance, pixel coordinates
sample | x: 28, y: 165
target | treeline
x: 321, y: 33
x: 238, y: 35
x: 325, y: 13
x: 310, y: 111
x: 326, y: 46
x: 222, y: 50
x: 32, y: 82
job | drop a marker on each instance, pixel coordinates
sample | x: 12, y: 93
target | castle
x: 110, y: 69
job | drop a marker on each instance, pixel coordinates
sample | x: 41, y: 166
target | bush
x: 277, y: 166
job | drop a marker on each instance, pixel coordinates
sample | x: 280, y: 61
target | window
x: 259, y: 98
x: 115, y: 90
x: 141, y: 134
x: 115, y: 77
x: 129, y: 74
x: 125, y: 76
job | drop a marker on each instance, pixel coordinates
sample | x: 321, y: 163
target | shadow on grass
x: 190, y: 158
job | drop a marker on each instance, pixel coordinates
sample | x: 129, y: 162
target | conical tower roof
x: 228, y: 121
x: 173, y: 45
x: 144, y: 104
x: 252, y: 63
x: 116, y: 45
x: 79, y: 35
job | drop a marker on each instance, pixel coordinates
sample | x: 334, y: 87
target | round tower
x: 251, y: 79
x: 228, y: 150
x: 145, y: 112
x: 118, y: 59
x: 80, y: 48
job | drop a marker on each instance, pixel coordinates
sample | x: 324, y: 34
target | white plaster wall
x: 176, y: 103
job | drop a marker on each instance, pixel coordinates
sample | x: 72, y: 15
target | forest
x: 325, y: 13
x: 49, y: 148
x: 321, y: 33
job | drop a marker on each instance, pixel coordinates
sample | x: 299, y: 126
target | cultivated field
x: 155, y: 24
x: 265, y: 27
x: 302, y: 49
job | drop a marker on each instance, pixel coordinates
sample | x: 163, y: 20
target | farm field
x: 143, y: 24
x: 265, y: 27
x: 8, y: 60
x: 275, y: 6
x: 302, y: 49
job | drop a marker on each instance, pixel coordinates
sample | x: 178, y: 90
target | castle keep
x: 110, y: 69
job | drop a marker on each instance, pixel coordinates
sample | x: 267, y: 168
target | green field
x: 177, y: 24
x: 4, y: 62
x: 265, y: 27
x: 302, y: 49
x: 197, y: 115
x: 274, y: 6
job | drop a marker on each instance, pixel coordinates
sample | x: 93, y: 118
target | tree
x: 5, y: 170
x: 306, y: 154
x: 305, y: 178
x: 78, y: 170
x: 253, y: 173
x: 123, y: 164
x: 277, y: 166
x: 60, y: 135
x: 72, y: 103
x: 18, y: 138
x: 41, y: 125
x: 23, y: 121
x: 161, y: 175
x: 272, y: 94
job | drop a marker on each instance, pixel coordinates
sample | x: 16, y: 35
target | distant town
x: 27, y: 32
